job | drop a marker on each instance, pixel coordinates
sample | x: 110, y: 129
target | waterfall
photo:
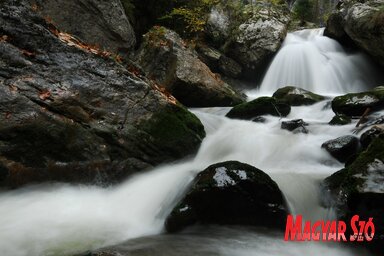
x: 309, y: 60
x: 62, y: 219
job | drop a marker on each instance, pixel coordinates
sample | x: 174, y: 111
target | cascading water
x: 62, y: 219
x: 319, y: 64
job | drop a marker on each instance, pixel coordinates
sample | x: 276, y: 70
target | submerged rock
x: 358, y: 189
x: 295, y: 96
x: 296, y: 126
x: 342, y: 148
x: 258, y: 107
x: 340, y: 119
x: 355, y: 104
x: 69, y: 114
x: 165, y: 57
x: 96, y: 22
x: 230, y: 193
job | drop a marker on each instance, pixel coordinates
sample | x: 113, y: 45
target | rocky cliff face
x: 96, y: 22
x: 69, y: 112
x: 363, y: 22
x: 254, y: 41
x: 167, y: 59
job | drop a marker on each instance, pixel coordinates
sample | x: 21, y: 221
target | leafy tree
x: 303, y: 10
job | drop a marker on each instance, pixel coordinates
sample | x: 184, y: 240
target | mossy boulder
x: 168, y: 60
x: 230, y: 193
x: 340, y: 119
x: 342, y: 148
x: 295, y: 96
x: 368, y: 136
x: 355, y: 104
x: 358, y: 189
x: 258, y: 107
x: 72, y: 114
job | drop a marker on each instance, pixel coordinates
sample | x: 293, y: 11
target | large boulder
x: 363, y: 22
x: 258, y: 107
x: 368, y: 136
x: 295, y: 96
x: 358, y: 190
x: 258, y: 38
x: 218, y: 62
x: 355, y: 104
x: 69, y: 114
x: 167, y: 59
x: 230, y: 193
x: 96, y: 22
x: 342, y: 148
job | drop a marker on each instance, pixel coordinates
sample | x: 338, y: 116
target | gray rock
x: 166, y: 58
x: 72, y: 115
x: 258, y: 39
x: 363, y: 22
x: 96, y: 22
x: 342, y: 148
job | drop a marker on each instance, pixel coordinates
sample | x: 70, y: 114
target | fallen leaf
x: 45, y: 94
x: 8, y: 115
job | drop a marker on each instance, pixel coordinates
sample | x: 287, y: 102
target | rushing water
x: 319, y: 64
x: 61, y: 219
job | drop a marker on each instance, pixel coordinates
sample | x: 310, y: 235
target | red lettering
x: 293, y: 228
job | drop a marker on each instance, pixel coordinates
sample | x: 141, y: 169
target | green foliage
x: 190, y: 18
x: 303, y: 10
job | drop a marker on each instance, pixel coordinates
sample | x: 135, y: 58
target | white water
x: 317, y: 63
x: 62, y: 219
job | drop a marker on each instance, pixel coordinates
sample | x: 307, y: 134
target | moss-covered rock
x: 368, y: 136
x: 340, y: 119
x: 295, y: 96
x: 342, y: 148
x: 355, y: 104
x: 258, y: 107
x: 230, y: 193
x: 358, y: 189
x: 70, y: 113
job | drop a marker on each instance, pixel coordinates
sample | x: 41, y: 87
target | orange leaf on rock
x: 45, y: 94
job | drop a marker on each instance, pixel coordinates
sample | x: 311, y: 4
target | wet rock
x: 258, y: 38
x: 335, y: 29
x: 340, y: 119
x: 230, y: 193
x: 296, y: 126
x: 342, y: 148
x: 363, y: 22
x: 295, y: 96
x: 75, y: 116
x: 358, y: 189
x: 218, y: 62
x: 258, y: 107
x: 367, y: 137
x: 355, y: 104
x: 259, y: 119
x: 96, y: 22
x: 165, y: 57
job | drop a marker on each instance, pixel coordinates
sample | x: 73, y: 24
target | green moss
x: 258, y: 107
x: 175, y: 129
x: 294, y: 96
x: 355, y: 104
x: 340, y: 120
x: 345, y: 180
